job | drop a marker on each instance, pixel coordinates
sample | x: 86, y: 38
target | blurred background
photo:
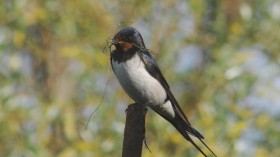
x: 221, y: 59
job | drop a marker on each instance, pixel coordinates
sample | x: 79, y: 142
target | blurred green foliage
x: 53, y: 75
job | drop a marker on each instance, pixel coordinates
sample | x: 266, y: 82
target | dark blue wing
x: 152, y: 67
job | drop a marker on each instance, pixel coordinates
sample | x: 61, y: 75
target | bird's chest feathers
x: 138, y: 83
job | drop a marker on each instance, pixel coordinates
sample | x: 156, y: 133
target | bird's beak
x: 115, y: 42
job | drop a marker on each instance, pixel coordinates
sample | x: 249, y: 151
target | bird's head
x: 128, y: 39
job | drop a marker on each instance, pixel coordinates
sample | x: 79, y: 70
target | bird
x: 140, y: 76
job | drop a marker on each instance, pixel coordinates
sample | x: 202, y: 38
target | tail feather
x: 207, y: 146
x: 186, y: 129
x: 187, y: 137
x: 181, y: 124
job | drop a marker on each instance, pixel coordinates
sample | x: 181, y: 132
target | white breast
x: 138, y: 83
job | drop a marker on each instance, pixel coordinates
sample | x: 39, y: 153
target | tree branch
x: 134, y: 132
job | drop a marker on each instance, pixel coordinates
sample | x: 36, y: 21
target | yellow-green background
x: 53, y: 73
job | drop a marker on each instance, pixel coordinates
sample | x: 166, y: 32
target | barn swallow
x: 141, y: 78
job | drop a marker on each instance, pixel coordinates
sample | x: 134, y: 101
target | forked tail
x: 185, y: 129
